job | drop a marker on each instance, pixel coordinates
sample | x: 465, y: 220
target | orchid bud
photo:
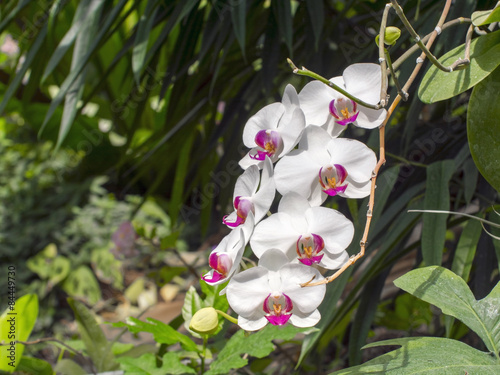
x: 205, y: 321
x: 392, y: 34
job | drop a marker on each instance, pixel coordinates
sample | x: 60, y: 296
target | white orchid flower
x: 328, y: 108
x: 310, y: 234
x: 248, y: 199
x: 323, y: 166
x: 226, y: 257
x: 274, y: 130
x: 271, y: 293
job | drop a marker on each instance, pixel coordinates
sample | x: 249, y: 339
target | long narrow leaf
x: 238, y: 16
x: 437, y: 197
x: 141, y: 39
x: 83, y: 40
x: 81, y: 64
x: 30, y: 56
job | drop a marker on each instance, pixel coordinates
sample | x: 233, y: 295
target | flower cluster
x: 295, y: 150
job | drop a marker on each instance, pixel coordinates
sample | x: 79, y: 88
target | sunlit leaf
x: 483, y: 128
x: 485, y: 57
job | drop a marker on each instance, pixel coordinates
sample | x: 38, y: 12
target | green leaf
x: 450, y: 293
x: 73, y: 75
x: 34, y: 366
x: 283, y: 12
x: 146, y: 365
x: 83, y: 284
x: 316, y: 9
x: 192, y: 303
x: 427, y: 355
x: 30, y: 57
x: 256, y: 344
x: 238, y: 17
x: 483, y: 128
x: 144, y: 27
x: 83, y: 43
x: 485, y: 17
x: 466, y: 249
x: 68, y: 367
x: 485, y: 57
x: 96, y: 343
x: 81, y: 14
x: 437, y: 197
x: 163, y: 333
x: 180, y: 177
x: 16, y: 323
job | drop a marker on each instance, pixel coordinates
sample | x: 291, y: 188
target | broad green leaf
x: 141, y: 39
x: 16, y: 324
x: 427, y: 355
x: 96, y: 343
x: 68, y: 367
x: 34, y: 366
x: 192, y: 303
x: 437, y: 197
x: 83, y: 284
x: 483, y: 128
x: 146, y: 365
x: 163, y: 333
x: 450, y: 293
x: 485, y: 17
x: 238, y: 17
x: 256, y: 345
x: 485, y: 57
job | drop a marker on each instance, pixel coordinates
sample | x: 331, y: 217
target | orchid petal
x: 253, y: 323
x: 246, y: 185
x: 273, y: 232
x: 264, y: 197
x: 305, y: 300
x: 354, y: 156
x: 265, y: 119
x: 292, y: 130
x: 296, y: 172
x: 247, y: 290
x: 333, y: 261
x: 370, y: 118
x: 364, y: 81
x: 336, y: 230
x: 273, y: 260
x: 315, y: 141
x: 305, y: 320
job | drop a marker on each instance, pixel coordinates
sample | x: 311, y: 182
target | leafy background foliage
x: 154, y: 96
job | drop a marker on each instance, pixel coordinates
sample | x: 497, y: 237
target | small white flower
x: 323, y: 166
x: 326, y: 107
x: 271, y: 293
x: 274, y: 130
x: 310, y: 234
x: 247, y: 198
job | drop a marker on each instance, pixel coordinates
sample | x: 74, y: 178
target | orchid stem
x: 415, y: 47
x: 316, y: 76
x: 381, y: 55
x: 227, y: 316
x: 403, y: 94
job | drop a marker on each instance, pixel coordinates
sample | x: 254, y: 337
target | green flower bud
x: 392, y: 34
x: 205, y: 321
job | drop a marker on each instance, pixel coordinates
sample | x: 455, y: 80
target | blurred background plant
x: 132, y: 111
